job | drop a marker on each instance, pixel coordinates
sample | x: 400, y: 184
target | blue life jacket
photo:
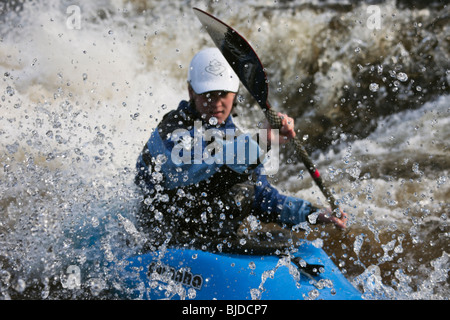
x: 194, y: 182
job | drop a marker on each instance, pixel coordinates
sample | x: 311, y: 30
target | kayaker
x: 193, y: 193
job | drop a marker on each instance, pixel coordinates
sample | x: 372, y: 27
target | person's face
x: 217, y: 104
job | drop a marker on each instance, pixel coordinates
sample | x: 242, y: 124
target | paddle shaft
x: 275, y: 123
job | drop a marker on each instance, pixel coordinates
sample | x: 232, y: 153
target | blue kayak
x: 176, y: 273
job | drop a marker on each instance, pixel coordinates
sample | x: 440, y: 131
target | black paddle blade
x: 239, y: 54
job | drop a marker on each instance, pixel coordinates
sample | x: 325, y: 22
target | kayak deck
x: 194, y: 274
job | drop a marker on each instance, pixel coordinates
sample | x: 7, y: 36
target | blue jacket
x: 161, y: 169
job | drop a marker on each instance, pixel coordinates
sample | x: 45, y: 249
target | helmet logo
x: 215, y: 67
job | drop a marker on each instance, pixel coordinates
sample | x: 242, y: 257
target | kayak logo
x: 166, y: 273
x: 215, y: 68
x: 236, y: 149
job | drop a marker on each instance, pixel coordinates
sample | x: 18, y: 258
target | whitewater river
x: 82, y: 87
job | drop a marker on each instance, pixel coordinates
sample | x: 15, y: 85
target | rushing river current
x: 83, y: 85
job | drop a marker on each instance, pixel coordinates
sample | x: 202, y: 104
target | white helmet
x: 209, y: 71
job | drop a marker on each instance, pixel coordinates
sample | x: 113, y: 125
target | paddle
x: 244, y: 61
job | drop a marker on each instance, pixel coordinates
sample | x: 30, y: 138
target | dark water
x: 368, y: 87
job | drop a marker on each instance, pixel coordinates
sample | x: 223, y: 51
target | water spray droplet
x: 374, y: 87
x: 10, y: 91
x: 213, y: 121
x: 402, y: 76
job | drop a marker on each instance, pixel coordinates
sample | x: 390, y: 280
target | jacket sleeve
x: 288, y: 209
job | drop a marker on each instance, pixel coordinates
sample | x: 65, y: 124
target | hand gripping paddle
x: 244, y: 61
